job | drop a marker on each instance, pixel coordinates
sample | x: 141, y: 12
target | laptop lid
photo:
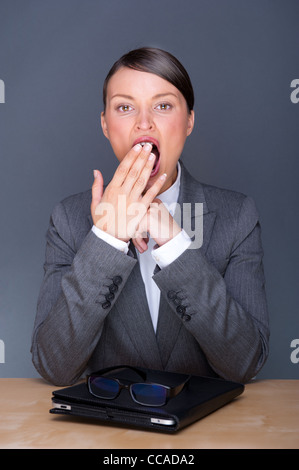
x: 199, y: 397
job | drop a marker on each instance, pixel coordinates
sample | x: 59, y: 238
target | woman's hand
x: 158, y: 223
x: 120, y: 208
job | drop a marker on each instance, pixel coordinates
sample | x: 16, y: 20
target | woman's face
x: 143, y: 107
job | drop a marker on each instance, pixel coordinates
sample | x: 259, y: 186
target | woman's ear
x: 190, y: 124
x: 104, y: 125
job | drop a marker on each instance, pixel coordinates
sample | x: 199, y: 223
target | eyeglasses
x: 144, y: 393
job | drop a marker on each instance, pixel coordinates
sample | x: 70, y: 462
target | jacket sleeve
x: 77, y: 293
x: 225, y: 312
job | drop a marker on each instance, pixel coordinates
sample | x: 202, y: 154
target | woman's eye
x: 124, y: 108
x: 164, y: 106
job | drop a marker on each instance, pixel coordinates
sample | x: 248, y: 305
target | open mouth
x: 156, y: 152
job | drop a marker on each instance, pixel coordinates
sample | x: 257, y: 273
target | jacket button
x: 109, y: 296
x: 171, y: 294
x: 106, y: 304
x: 181, y: 309
x: 186, y: 317
x: 113, y: 288
x: 117, y: 280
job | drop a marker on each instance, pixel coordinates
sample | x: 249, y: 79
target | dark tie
x: 157, y: 269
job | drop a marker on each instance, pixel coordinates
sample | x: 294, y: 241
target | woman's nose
x: 144, y: 120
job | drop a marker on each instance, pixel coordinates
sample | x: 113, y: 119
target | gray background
x: 54, y: 56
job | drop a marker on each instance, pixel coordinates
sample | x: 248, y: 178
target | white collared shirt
x: 162, y: 256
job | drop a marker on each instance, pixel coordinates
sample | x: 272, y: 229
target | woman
x: 124, y: 282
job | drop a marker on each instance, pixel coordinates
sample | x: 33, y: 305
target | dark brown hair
x: 159, y: 62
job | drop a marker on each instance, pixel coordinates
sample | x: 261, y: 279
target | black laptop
x: 134, y: 398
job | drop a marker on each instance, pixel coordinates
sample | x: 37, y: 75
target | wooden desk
x: 265, y: 416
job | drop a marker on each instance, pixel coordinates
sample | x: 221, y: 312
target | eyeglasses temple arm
x: 108, y: 369
x: 176, y: 390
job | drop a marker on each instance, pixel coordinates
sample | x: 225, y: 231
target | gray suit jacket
x: 92, y: 309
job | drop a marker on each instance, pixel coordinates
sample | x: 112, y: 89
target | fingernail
x: 94, y: 173
x: 151, y: 156
x: 163, y: 177
x: 148, y: 146
x: 137, y: 147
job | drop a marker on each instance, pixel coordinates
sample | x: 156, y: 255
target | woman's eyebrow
x: 162, y: 95
x: 118, y: 95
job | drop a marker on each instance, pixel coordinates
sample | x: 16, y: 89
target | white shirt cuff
x: 170, y: 251
x: 113, y: 241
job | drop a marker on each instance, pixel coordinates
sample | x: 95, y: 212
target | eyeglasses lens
x: 104, y: 388
x: 149, y: 394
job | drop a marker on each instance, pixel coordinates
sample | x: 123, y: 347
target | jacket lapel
x: 169, y: 324
x: 192, y: 192
x: 136, y: 319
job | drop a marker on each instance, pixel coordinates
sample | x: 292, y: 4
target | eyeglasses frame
x: 171, y: 392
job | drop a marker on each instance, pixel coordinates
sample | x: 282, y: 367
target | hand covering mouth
x: 155, y: 151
